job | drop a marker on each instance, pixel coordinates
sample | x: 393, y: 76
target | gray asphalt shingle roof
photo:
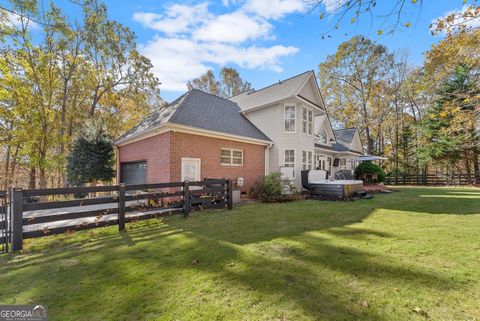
x: 201, y: 110
x: 345, y: 136
x: 335, y: 147
x: 278, y: 91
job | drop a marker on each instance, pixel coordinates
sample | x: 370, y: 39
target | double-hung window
x: 307, y: 121
x: 289, y: 160
x: 342, y: 163
x: 289, y: 116
x: 231, y: 157
x: 307, y: 159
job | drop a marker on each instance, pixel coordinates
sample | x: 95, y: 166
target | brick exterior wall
x: 208, y: 150
x: 155, y: 150
x: 164, y: 153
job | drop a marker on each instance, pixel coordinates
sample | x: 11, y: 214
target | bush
x: 370, y: 168
x: 270, y: 189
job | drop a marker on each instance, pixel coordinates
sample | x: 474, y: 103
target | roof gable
x: 350, y: 137
x: 311, y: 92
x: 200, y: 110
x: 276, y: 92
x: 322, y: 123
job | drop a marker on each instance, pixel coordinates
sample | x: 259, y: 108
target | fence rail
x: 430, y: 179
x: 38, y: 212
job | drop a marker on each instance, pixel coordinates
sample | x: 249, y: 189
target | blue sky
x: 266, y: 40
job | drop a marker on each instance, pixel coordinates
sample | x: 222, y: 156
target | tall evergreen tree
x: 450, y: 127
x: 91, y: 159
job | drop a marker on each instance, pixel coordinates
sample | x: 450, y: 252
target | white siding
x: 270, y: 120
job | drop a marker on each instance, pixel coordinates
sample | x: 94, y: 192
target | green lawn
x: 410, y: 255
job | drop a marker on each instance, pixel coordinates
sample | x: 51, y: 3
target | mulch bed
x: 376, y: 188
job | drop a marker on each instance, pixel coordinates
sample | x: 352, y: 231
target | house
x: 196, y: 136
x: 292, y: 113
x: 344, y: 145
x: 257, y: 132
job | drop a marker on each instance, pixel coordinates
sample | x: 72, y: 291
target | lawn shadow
x: 280, y: 251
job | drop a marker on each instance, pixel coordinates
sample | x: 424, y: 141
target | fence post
x: 121, y: 207
x: 186, y: 199
x: 16, y: 203
x: 230, y: 194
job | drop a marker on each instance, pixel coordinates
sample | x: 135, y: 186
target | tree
x: 458, y: 55
x: 111, y: 49
x: 393, y: 15
x: 351, y: 79
x: 56, y: 79
x: 230, y: 83
x: 92, y: 158
x: 451, y: 124
x: 206, y: 83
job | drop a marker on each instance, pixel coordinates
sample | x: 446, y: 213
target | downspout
x: 117, y: 152
x: 267, y: 158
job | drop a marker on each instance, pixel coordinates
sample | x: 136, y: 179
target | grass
x: 410, y: 255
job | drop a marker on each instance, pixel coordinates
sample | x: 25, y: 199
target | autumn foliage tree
x: 56, y: 75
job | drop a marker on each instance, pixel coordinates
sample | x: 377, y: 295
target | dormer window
x: 323, y: 137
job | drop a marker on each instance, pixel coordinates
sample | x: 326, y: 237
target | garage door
x: 133, y: 172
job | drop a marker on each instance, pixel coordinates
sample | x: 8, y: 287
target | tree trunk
x: 42, y: 177
x: 33, y: 178
x: 6, y: 176
x: 467, y: 169
x: 476, y: 168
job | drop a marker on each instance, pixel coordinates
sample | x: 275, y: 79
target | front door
x: 191, y: 169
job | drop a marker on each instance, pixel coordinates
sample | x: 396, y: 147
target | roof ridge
x: 345, y: 128
x: 280, y: 81
x: 213, y: 95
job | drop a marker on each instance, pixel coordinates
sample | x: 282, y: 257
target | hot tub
x: 317, y: 185
x: 337, y: 188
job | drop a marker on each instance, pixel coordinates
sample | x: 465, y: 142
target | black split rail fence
x: 35, y: 213
x: 431, y: 179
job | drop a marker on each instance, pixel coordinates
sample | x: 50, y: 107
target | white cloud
x: 332, y: 5
x: 233, y: 27
x: 11, y: 19
x: 192, y: 39
x: 460, y: 19
x: 178, y: 18
x: 177, y: 60
x: 275, y: 9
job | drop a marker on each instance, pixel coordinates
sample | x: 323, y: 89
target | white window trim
x: 308, y: 164
x: 308, y: 122
x: 231, y: 158
x: 295, y: 118
x: 294, y: 156
x: 344, y: 166
x: 191, y: 159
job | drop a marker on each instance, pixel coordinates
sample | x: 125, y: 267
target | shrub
x: 370, y: 168
x: 270, y: 189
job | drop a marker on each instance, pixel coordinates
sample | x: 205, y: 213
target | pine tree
x: 450, y: 125
x: 91, y: 158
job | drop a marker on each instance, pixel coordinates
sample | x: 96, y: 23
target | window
x: 323, y: 137
x: 307, y: 159
x: 289, y: 160
x: 231, y: 157
x: 307, y: 121
x: 343, y: 162
x: 290, y: 119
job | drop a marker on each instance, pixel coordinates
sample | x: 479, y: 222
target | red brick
x: 164, y: 152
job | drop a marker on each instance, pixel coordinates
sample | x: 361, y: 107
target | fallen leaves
x: 420, y: 311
